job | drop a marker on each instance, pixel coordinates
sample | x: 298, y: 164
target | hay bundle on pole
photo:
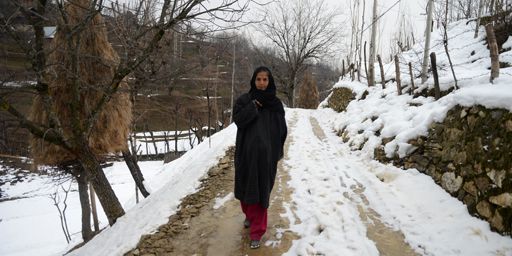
x: 80, y: 71
x: 96, y: 60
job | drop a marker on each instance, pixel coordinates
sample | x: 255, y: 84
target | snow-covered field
x: 30, y: 223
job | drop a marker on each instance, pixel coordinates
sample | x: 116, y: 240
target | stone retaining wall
x: 470, y: 156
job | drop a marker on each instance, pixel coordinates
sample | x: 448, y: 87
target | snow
x: 403, y: 117
x: 31, y: 225
x: 219, y: 202
x: 325, y: 177
x: 332, y: 183
x: 168, y: 184
x: 175, y: 180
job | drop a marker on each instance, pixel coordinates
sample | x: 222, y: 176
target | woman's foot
x: 247, y: 223
x: 255, y: 244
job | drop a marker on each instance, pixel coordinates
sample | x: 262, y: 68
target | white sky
x: 389, y: 24
x: 409, y: 10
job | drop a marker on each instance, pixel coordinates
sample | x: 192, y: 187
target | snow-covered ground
x: 323, y: 175
x: 331, y: 184
x: 30, y: 224
x: 404, y: 117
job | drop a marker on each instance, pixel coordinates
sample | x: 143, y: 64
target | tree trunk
x: 445, y: 41
x: 382, y: 77
x: 491, y: 10
x: 361, y: 37
x: 106, y: 195
x: 397, y: 72
x: 412, y: 79
x: 437, y: 91
x: 342, y: 70
x: 87, y: 233
x: 137, y: 176
x: 493, y: 48
x: 176, y: 131
x: 477, y: 26
x: 426, y: 50
x: 371, y: 61
x: 94, y: 209
x: 365, y: 66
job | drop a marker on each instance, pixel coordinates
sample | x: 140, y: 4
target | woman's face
x: 262, y: 80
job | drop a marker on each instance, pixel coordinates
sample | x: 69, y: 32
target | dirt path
x: 201, y: 228
x: 204, y: 226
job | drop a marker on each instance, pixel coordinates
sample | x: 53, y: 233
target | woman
x: 259, y: 116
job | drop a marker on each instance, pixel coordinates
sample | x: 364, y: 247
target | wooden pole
x: 411, y: 91
x: 428, y: 30
x: 397, y: 72
x: 365, y: 66
x: 382, y: 77
x: 493, y: 49
x: 371, y: 60
x: 437, y: 91
x: 342, y: 69
x: 94, y: 210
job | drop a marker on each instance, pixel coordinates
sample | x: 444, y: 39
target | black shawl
x: 259, y: 145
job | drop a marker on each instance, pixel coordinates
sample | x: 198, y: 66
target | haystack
x: 96, y: 65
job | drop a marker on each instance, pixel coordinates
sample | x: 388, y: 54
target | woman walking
x: 259, y: 116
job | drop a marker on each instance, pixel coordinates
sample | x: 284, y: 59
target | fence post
x: 382, y: 77
x: 342, y: 68
x: 437, y: 91
x: 365, y: 60
x: 397, y: 72
x: 412, y: 79
x: 493, y: 48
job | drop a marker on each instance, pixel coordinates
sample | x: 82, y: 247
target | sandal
x: 255, y: 244
x: 247, y: 223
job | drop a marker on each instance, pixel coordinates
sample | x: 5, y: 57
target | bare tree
x: 76, y: 140
x: 371, y: 59
x: 426, y: 50
x: 477, y: 25
x: 445, y: 43
x: 493, y: 49
x: 301, y: 30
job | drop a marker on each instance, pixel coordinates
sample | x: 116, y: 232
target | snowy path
x: 343, y: 204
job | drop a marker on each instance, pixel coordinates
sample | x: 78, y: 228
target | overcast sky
x: 410, y: 11
x: 389, y: 24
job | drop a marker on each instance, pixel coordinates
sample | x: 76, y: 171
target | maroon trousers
x: 257, y: 215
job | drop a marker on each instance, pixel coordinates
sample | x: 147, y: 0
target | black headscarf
x: 266, y: 97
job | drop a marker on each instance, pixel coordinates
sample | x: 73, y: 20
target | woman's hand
x: 258, y: 104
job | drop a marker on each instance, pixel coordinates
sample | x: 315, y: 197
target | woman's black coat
x: 259, y: 146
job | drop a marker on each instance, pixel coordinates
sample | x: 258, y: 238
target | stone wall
x: 470, y: 156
